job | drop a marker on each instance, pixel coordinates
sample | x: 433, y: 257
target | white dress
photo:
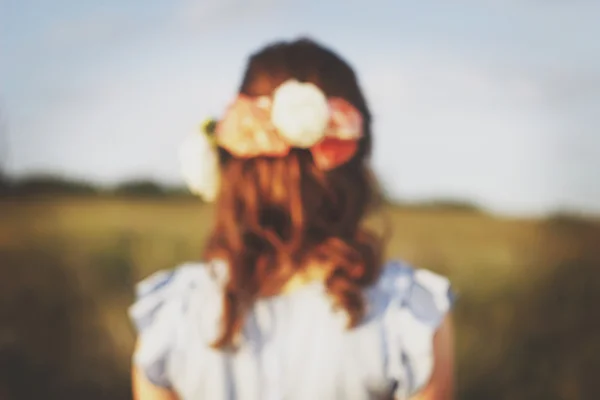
x: 294, y: 346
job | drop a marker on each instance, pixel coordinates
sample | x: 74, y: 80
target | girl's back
x: 293, y: 345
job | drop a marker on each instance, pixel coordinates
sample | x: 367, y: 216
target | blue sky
x: 493, y: 101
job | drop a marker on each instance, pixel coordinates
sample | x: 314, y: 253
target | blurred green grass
x: 526, y: 316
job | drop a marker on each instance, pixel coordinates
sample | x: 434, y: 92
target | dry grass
x: 526, y: 288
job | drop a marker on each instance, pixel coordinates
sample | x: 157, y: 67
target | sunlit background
x: 487, y: 117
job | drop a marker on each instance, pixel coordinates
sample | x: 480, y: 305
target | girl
x: 293, y: 300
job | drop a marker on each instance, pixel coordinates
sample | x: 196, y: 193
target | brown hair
x: 276, y: 215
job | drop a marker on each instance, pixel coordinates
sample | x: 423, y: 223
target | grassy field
x: 528, y: 292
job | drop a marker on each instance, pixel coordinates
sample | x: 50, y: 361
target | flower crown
x: 298, y: 115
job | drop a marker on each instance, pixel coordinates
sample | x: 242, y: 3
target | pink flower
x: 247, y: 131
x: 331, y: 153
x: 345, y: 122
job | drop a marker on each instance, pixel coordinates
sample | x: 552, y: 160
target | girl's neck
x: 311, y: 273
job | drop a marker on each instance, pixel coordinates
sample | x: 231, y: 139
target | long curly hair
x: 276, y: 216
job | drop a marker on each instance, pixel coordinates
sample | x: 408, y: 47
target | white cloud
x: 132, y: 121
x: 89, y: 30
x: 203, y: 15
x: 449, y: 127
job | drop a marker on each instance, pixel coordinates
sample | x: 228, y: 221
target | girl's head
x: 279, y: 216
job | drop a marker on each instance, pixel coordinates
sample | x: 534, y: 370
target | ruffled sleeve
x: 160, y: 312
x: 419, y: 300
x: 155, y: 315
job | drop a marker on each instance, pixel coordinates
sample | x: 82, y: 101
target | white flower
x: 300, y: 112
x: 199, y: 163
